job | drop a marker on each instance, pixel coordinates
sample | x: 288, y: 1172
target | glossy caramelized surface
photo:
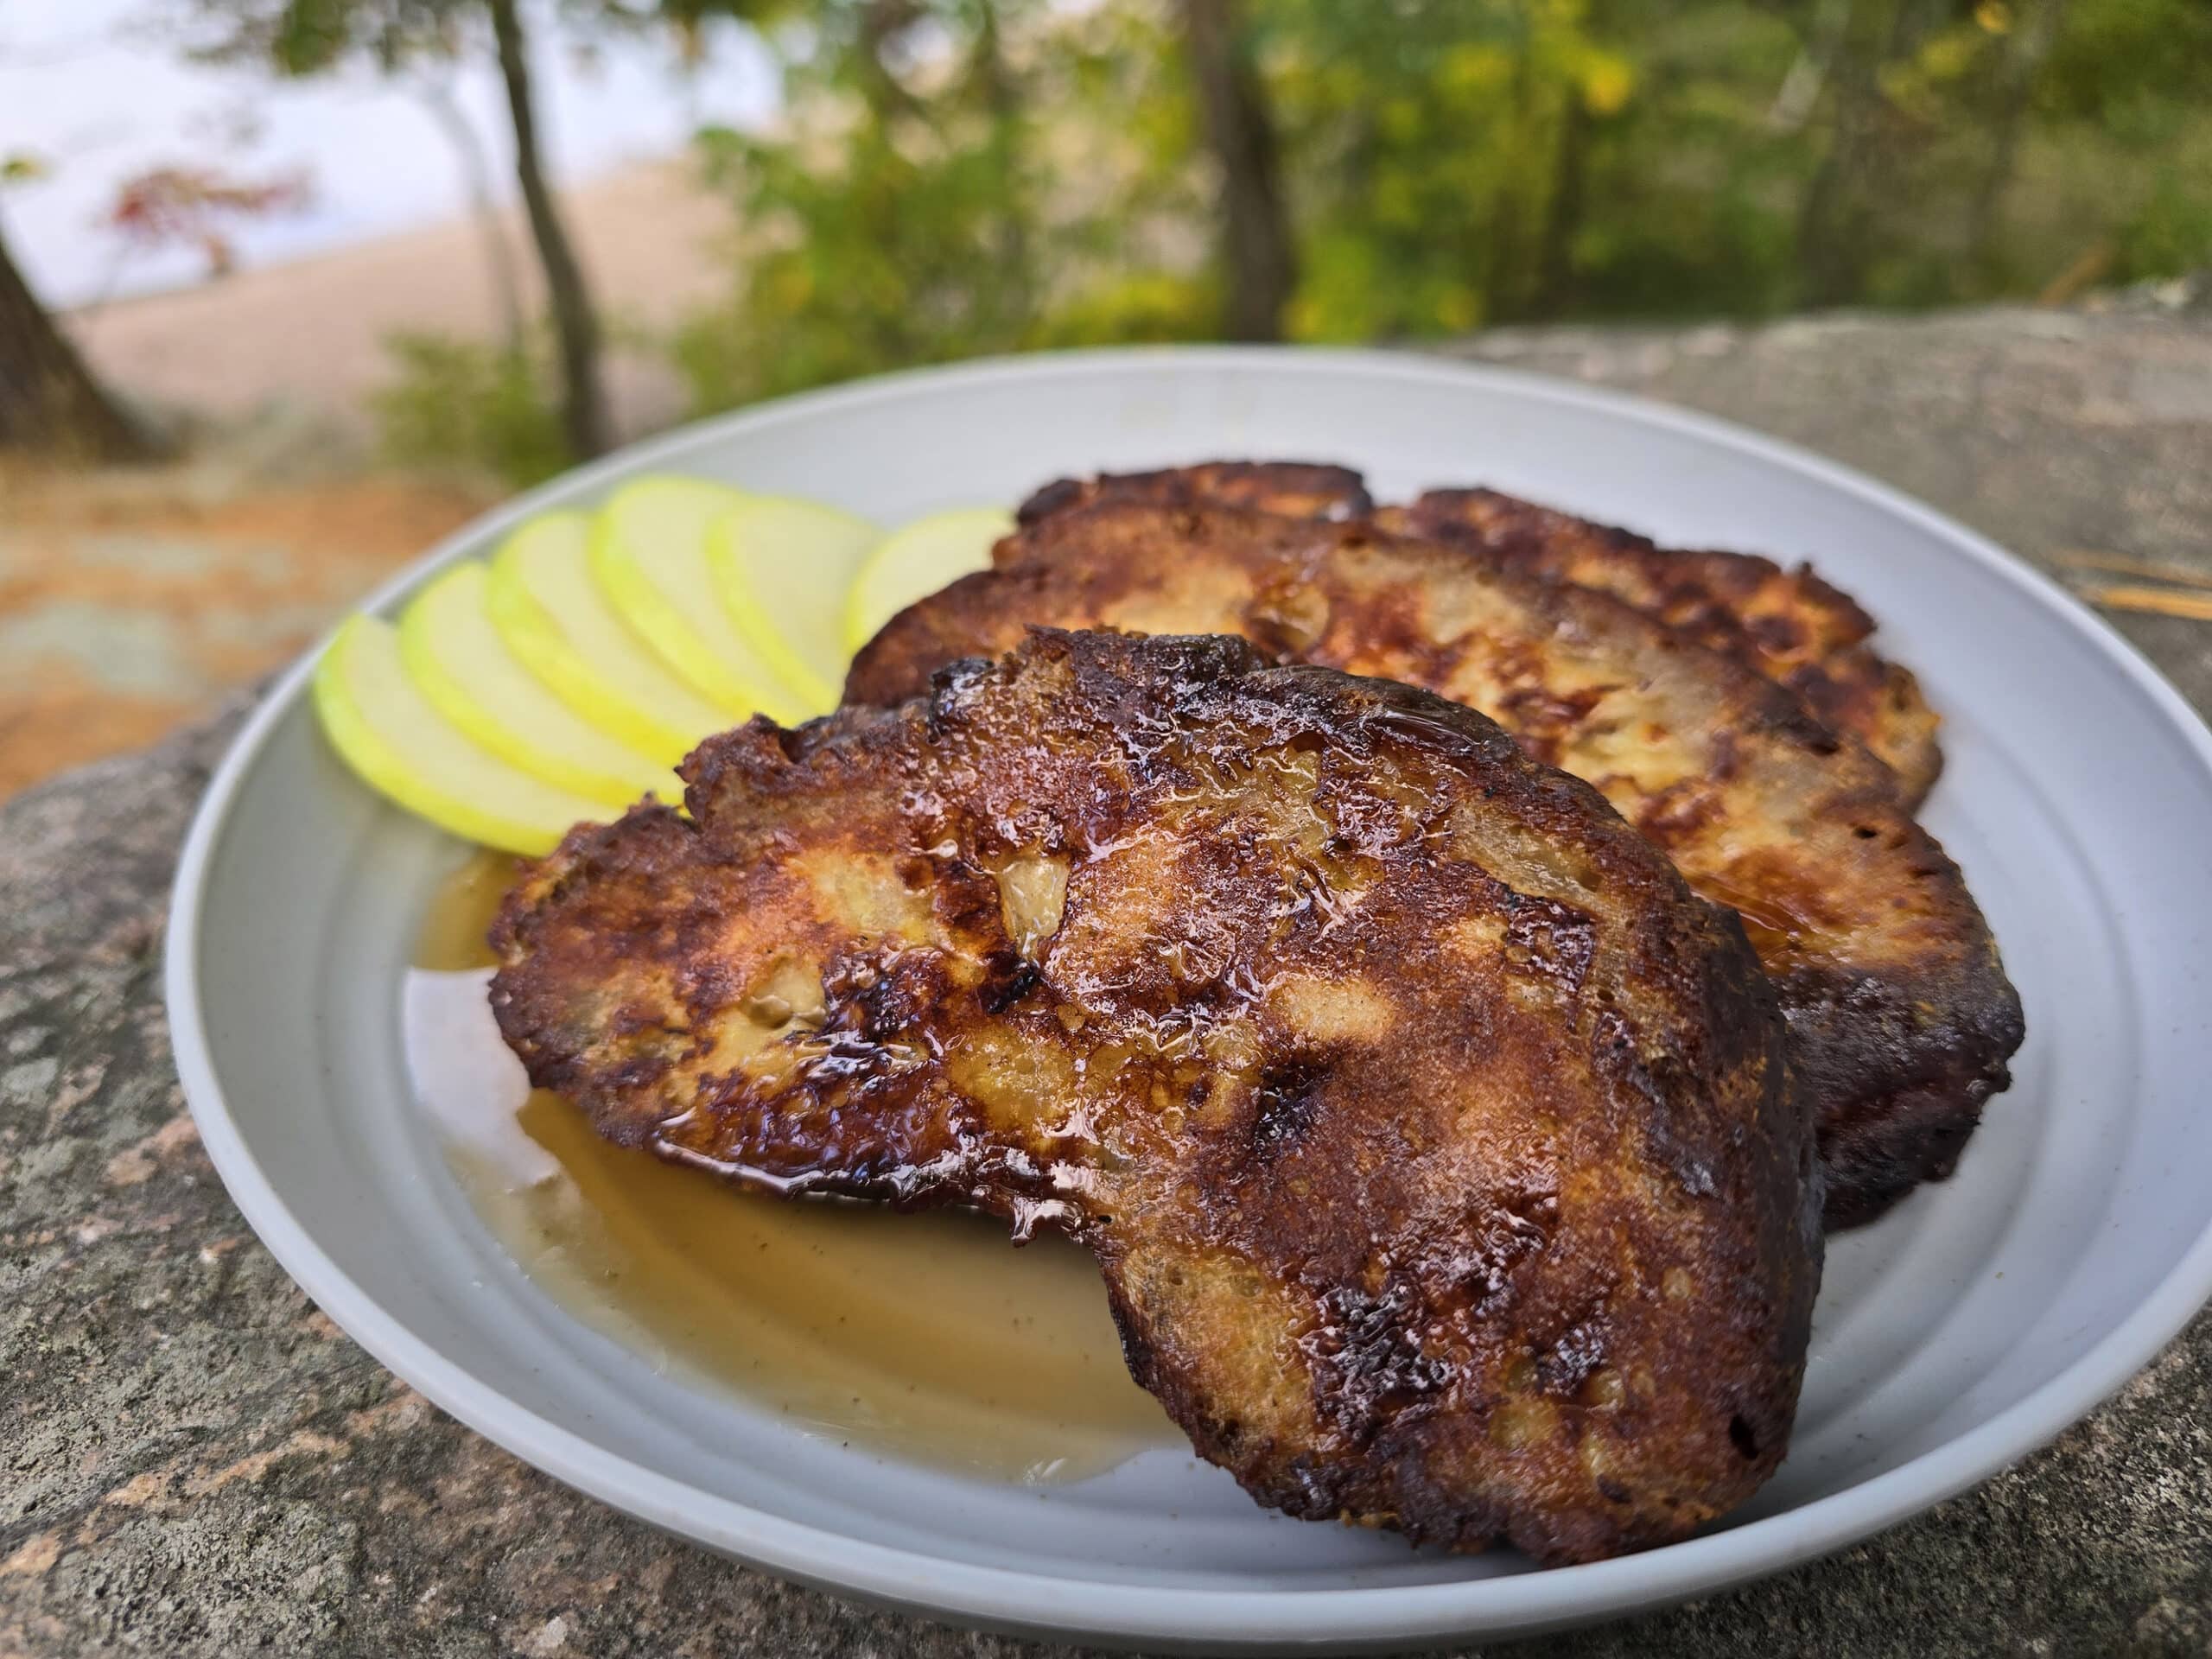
x: 1901, y: 1016
x: 922, y: 1337
x: 1787, y: 624
x: 1435, y: 1142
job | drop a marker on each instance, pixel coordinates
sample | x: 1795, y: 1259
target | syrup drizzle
x: 927, y: 1337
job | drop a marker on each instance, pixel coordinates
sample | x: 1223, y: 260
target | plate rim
x: 1042, y: 1603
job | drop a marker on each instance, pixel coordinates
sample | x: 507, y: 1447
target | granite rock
x: 193, y: 1461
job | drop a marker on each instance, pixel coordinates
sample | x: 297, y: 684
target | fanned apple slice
x: 784, y: 565
x: 386, y: 729
x: 649, y: 554
x: 551, y: 614
x: 914, y: 561
x: 457, y: 658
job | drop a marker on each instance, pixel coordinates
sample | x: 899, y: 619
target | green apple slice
x: 784, y: 565
x: 550, y: 611
x: 460, y: 662
x: 913, y: 562
x: 386, y: 729
x: 649, y: 553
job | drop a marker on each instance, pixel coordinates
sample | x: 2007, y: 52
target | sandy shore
x: 310, y: 334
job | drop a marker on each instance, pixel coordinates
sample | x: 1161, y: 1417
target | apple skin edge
x: 460, y: 665
x: 607, y: 678
x: 648, y: 552
x: 783, y: 568
x: 914, y: 561
x: 384, y: 735
x: 548, y: 608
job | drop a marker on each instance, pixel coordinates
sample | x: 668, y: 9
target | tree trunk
x: 1001, y: 101
x: 483, y: 206
x: 1831, y: 248
x: 1257, y: 255
x: 1555, y: 290
x: 1503, y: 266
x: 2031, y: 44
x: 583, y: 407
x: 880, y: 22
x: 49, y: 402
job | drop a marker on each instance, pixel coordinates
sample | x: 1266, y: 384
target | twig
x: 2158, y: 601
x: 2180, y: 575
x: 2085, y: 272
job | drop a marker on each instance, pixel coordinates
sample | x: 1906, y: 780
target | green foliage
x: 2171, y: 231
x: 463, y: 406
x: 1432, y: 154
x: 906, y: 250
x: 957, y: 177
x: 986, y: 176
x: 311, y: 37
x: 1152, y: 306
x: 296, y: 38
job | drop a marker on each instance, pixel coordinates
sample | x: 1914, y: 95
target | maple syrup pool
x: 924, y: 1336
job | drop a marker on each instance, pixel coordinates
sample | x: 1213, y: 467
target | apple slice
x: 914, y: 561
x: 460, y: 662
x: 649, y: 553
x: 784, y: 565
x: 386, y: 729
x: 550, y: 612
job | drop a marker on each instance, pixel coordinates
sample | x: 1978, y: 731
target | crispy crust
x: 1790, y: 625
x: 1435, y: 1142
x: 1901, y: 1015
x: 1298, y: 489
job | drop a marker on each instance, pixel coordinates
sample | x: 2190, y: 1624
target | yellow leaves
x: 1459, y: 309
x: 1396, y: 201
x: 1607, y: 79
x: 1400, y: 119
x: 1994, y: 16
x: 1474, y: 69
x: 1950, y: 54
x: 1914, y: 84
x: 794, y: 285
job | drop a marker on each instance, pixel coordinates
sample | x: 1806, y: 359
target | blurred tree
x: 1832, y: 246
x: 309, y: 37
x: 954, y: 177
x: 2118, y: 141
x: 893, y: 216
x: 50, y: 402
x: 472, y: 407
x: 306, y: 37
x: 436, y: 90
x: 1260, y: 264
x: 576, y: 321
x: 2032, y: 35
x: 1441, y: 163
x: 195, y: 205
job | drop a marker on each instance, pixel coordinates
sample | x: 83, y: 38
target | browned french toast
x: 1902, y: 1018
x: 1298, y: 489
x: 1788, y: 624
x: 1436, y: 1142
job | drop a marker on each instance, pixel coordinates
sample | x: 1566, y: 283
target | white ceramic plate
x: 1971, y: 1325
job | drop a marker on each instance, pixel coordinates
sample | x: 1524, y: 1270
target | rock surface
x: 193, y: 1461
